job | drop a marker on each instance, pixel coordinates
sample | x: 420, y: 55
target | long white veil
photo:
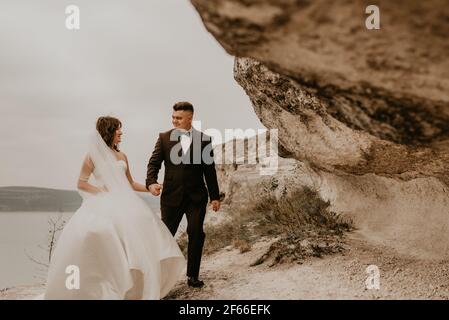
x: 120, y: 247
x: 107, y: 167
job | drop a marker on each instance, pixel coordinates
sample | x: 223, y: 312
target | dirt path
x: 228, y: 276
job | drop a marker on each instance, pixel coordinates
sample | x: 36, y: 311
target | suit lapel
x: 189, y: 149
x: 195, y: 139
x: 171, y: 143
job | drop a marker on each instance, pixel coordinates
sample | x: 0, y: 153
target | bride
x: 120, y: 248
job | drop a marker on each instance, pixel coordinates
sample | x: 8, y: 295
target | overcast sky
x: 131, y: 59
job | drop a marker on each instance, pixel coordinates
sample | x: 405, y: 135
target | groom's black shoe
x: 194, y: 282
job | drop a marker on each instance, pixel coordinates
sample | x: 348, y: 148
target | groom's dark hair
x: 183, y: 105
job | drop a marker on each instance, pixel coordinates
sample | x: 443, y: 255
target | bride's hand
x: 155, y: 189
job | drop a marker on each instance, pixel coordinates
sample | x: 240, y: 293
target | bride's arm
x: 136, y: 186
x: 86, y: 171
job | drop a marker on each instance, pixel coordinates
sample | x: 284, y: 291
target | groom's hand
x: 155, y: 189
x: 215, y: 205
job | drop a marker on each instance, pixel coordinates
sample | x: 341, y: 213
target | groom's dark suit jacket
x: 186, y: 178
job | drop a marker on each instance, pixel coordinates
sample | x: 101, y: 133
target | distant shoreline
x: 36, y: 199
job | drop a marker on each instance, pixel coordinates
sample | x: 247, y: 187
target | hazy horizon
x: 132, y: 61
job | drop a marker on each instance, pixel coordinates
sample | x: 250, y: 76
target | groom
x: 188, y: 159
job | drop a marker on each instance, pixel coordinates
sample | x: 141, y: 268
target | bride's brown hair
x: 107, y: 126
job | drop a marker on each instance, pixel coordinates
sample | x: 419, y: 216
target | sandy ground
x: 21, y: 292
x: 228, y: 276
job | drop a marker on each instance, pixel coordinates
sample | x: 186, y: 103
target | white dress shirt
x: 186, y: 140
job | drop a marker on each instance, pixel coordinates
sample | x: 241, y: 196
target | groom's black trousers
x: 195, y: 213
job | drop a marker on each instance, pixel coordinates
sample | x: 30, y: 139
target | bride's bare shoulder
x: 122, y: 156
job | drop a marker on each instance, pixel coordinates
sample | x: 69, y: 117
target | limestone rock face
x: 411, y: 216
x: 344, y: 97
x: 367, y: 111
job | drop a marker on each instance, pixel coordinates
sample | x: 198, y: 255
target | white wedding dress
x: 121, y: 248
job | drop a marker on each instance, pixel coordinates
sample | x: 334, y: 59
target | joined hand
x: 155, y: 189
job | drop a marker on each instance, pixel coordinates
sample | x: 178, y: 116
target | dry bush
x: 302, y: 223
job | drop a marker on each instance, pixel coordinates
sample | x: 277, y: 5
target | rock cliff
x: 365, y: 113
